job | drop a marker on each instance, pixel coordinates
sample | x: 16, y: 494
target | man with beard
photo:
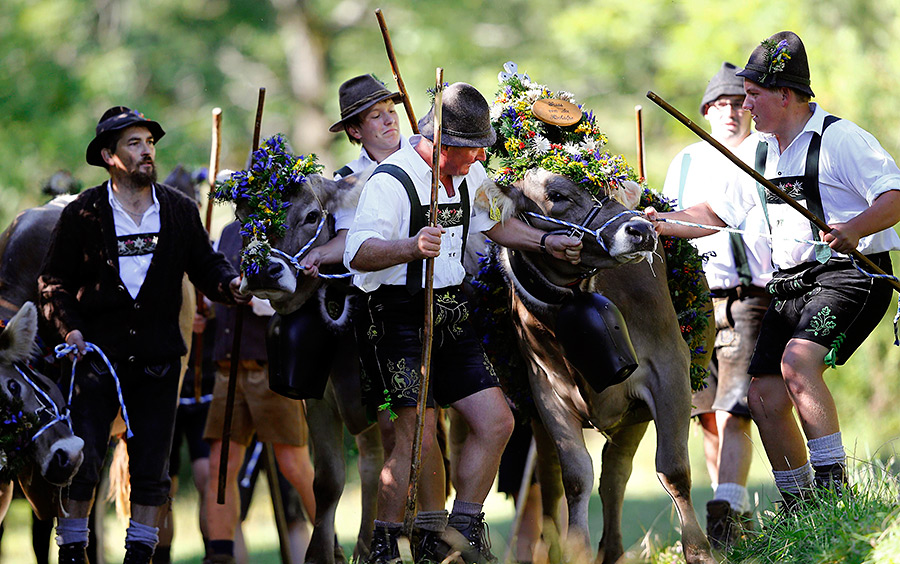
x: 113, y: 277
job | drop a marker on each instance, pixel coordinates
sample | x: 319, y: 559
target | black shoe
x: 384, y: 549
x: 73, y: 553
x: 724, y: 525
x: 137, y: 553
x: 476, y: 532
x: 831, y: 477
x: 430, y: 547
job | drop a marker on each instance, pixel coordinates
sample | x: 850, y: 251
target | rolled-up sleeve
x: 381, y: 213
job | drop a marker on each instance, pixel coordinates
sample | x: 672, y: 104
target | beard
x: 140, y: 178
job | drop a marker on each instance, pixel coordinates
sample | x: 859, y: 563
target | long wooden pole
x: 639, y: 125
x: 784, y: 196
x: 427, y: 335
x: 236, y: 343
x: 407, y: 105
x: 197, y: 340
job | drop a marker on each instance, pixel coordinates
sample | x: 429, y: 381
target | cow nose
x: 640, y: 232
x: 273, y: 269
x: 60, y: 459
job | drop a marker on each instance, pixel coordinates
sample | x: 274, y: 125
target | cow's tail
x: 120, y: 482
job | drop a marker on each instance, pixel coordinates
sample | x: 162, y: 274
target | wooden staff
x: 407, y: 105
x: 236, y: 343
x: 640, y: 140
x: 197, y: 340
x: 521, y: 500
x: 427, y: 335
x: 824, y: 227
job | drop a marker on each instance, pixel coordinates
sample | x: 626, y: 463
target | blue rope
x: 295, y: 259
x: 58, y: 416
x: 63, y: 349
x: 581, y: 228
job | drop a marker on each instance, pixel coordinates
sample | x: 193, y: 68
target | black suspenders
x: 419, y: 220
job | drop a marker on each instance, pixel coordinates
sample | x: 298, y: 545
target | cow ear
x: 501, y: 202
x: 17, y: 338
x: 627, y: 193
x: 344, y: 194
x: 242, y: 210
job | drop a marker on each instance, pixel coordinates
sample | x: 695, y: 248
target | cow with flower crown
x: 612, y: 344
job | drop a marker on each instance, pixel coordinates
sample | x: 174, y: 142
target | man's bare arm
x: 378, y: 254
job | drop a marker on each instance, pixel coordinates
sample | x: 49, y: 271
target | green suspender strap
x: 343, y: 171
x: 685, y: 165
x: 762, y: 149
x: 419, y: 220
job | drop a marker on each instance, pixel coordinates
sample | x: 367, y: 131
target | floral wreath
x: 524, y: 142
x: 265, y: 189
x: 16, y: 429
x: 777, y: 55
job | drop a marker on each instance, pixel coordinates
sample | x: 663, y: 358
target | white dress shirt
x: 853, y: 170
x: 384, y: 213
x: 708, y: 173
x: 133, y: 269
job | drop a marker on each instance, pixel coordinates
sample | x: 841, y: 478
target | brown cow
x: 333, y: 354
x: 659, y: 390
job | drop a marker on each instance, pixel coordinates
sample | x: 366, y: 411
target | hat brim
x: 774, y: 82
x: 93, y: 155
x: 426, y: 130
x: 339, y: 125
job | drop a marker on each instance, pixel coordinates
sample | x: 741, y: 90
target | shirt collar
x: 117, y: 206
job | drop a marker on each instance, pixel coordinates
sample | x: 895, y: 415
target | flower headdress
x: 777, y: 55
x: 16, y: 429
x: 525, y: 142
x: 265, y: 188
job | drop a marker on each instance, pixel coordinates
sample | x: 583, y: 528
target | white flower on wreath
x: 567, y: 96
x: 496, y: 110
x: 590, y: 144
x: 572, y: 149
x: 541, y: 144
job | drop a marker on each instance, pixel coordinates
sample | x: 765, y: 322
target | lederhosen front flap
x: 449, y: 215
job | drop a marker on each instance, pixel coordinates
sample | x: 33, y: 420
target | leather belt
x: 740, y: 292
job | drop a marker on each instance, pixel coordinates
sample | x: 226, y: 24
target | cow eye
x: 312, y: 217
x: 14, y: 388
x: 555, y: 196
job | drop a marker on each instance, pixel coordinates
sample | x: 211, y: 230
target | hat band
x: 466, y: 135
x: 349, y: 110
x: 779, y: 75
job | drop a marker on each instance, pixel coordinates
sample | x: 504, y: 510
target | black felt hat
x: 780, y: 61
x: 358, y: 95
x: 116, y: 119
x: 465, y: 118
x: 726, y: 82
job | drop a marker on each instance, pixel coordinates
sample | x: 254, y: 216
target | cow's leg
x: 671, y: 406
x: 575, y: 463
x: 345, y: 380
x: 550, y: 478
x: 326, y: 437
x: 617, y: 463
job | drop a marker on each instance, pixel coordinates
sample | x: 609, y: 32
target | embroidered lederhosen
x: 449, y: 215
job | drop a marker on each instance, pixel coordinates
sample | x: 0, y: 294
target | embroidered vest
x: 449, y: 215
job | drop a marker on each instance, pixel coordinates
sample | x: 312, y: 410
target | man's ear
x: 107, y: 156
x: 354, y: 132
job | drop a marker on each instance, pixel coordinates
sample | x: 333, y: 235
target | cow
x: 336, y: 403
x: 53, y: 453
x: 565, y: 390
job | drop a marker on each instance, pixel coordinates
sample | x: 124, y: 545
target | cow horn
x: 491, y: 198
x: 17, y: 338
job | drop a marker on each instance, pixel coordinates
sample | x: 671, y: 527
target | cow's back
x: 23, y: 246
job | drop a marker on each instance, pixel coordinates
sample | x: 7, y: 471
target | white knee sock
x: 735, y: 494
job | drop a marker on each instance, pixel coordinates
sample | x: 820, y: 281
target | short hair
x: 353, y: 121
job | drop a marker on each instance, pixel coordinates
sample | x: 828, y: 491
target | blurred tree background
x: 65, y: 61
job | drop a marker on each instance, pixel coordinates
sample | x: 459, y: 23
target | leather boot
x: 73, y: 553
x: 137, y: 553
x: 476, y: 532
x: 384, y: 549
